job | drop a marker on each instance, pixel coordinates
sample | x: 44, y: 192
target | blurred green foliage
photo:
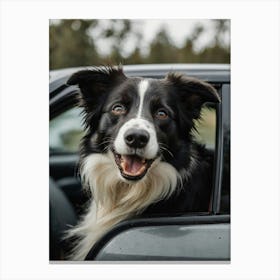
x: 74, y: 43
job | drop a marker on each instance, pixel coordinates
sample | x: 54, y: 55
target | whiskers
x: 105, y: 144
x: 163, y: 147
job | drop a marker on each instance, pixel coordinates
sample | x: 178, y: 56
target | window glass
x: 66, y: 130
x: 205, y: 132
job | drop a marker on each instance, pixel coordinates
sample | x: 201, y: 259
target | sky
x: 178, y: 29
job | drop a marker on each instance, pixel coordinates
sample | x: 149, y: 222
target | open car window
x: 205, y: 128
x: 66, y: 131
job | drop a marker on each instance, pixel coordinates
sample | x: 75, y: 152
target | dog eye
x: 118, y: 109
x: 161, y: 114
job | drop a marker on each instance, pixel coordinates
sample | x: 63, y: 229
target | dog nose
x: 136, y: 138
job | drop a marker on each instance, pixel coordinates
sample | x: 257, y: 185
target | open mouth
x: 132, y: 167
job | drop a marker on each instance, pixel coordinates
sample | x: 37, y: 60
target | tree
x: 74, y: 43
x: 162, y: 49
x: 217, y: 51
x: 71, y: 45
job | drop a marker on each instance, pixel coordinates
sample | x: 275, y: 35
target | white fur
x: 142, y: 88
x: 115, y: 199
x: 149, y: 151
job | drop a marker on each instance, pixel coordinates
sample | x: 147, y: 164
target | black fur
x: 181, y: 96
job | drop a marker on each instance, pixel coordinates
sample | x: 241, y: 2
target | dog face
x: 140, y: 121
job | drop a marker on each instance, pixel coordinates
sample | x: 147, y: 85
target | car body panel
x: 215, y: 72
x: 170, y: 242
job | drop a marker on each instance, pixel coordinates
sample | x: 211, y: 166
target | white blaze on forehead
x: 142, y: 88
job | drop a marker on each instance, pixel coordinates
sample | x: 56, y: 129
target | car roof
x: 209, y: 72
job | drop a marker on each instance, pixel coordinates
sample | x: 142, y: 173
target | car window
x: 66, y: 130
x: 205, y: 128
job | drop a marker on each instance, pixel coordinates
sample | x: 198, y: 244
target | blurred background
x: 78, y: 42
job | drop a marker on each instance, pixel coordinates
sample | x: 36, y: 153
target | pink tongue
x: 132, y: 164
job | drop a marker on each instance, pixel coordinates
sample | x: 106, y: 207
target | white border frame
x: 24, y: 138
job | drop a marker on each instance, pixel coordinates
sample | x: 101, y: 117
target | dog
x: 138, y: 155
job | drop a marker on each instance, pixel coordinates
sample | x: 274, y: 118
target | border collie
x: 138, y: 155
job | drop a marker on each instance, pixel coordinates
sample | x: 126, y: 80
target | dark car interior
x: 62, y: 214
x: 67, y: 201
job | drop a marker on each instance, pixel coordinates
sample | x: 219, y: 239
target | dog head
x: 140, y: 121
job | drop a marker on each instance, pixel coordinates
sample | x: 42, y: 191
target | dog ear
x: 192, y: 93
x: 95, y: 84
